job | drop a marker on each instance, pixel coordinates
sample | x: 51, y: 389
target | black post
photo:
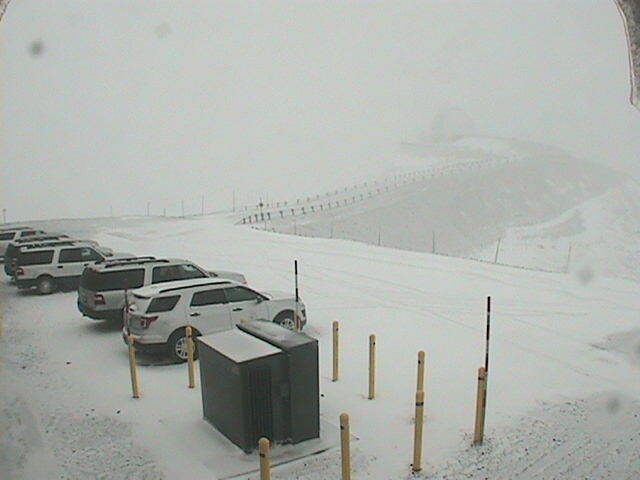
x: 486, y: 352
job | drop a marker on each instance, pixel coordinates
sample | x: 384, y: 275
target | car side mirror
x: 259, y: 300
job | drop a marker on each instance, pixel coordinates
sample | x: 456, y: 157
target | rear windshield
x: 163, y: 304
x: 107, y: 281
x: 35, y: 258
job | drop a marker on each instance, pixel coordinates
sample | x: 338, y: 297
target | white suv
x: 57, y: 266
x: 9, y: 235
x: 158, y: 314
x: 103, y: 285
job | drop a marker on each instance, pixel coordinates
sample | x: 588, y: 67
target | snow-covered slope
x: 482, y: 187
x: 563, y: 387
x: 598, y: 237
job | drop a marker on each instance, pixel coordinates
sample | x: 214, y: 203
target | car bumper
x: 26, y: 283
x: 87, y: 311
x: 144, y: 347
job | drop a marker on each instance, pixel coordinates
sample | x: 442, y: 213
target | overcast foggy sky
x: 136, y: 101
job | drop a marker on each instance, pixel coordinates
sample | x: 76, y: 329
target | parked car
x: 46, y: 240
x: 58, y: 266
x: 101, y: 293
x: 11, y: 234
x: 158, y: 314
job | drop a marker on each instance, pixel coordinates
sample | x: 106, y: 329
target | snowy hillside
x: 473, y: 191
x: 598, y: 237
x: 563, y: 391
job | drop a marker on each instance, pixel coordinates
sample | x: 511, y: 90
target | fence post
x: 336, y: 347
x: 417, y: 432
x: 265, y: 467
x: 133, y: 368
x: 420, y: 382
x: 189, y: 332
x: 345, y: 452
x: 372, y: 366
x: 481, y: 400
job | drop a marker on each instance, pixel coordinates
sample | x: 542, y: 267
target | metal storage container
x: 260, y: 380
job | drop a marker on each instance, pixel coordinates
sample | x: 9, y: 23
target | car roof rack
x: 53, y: 243
x: 131, y: 261
x: 43, y: 238
x: 172, y: 289
x: 9, y: 229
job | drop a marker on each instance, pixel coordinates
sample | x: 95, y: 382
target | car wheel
x: 178, y: 346
x: 285, y: 319
x: 45, y: 285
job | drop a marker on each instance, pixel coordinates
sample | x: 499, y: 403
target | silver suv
x: 101, y: 294
x: 46, y: 240
x: 57, y: 266
x: 158, y: 314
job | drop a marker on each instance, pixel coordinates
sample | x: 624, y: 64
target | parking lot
x: 67, y: 394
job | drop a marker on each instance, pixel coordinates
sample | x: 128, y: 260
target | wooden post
x: 133, y: 368
x: 481, y: 400
x: 420, y: 382
x: 265, y: 467
x: 417, y: 432
x: 190, y: 349
x: 372, y: 366
x: 336, y: 353
x: 345, y: 450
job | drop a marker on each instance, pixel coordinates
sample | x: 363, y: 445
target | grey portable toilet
x: 260, y: 379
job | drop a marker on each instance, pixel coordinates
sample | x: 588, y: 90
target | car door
x: 245, y: 304
x: 72, y: 261
x: 208, y: 311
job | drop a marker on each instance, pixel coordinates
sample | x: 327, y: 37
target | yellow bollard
x: 345, y: 450
x: 265, y: 467
x: 336, y: 347
x: 481, y: 400
x: 417, y: 432
x: 372, y: 367
x: 421, y: 365
x: 192, y: 380
x: 133, y: 368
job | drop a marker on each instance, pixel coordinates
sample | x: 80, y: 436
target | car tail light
x: 19, y: 271
x: 146, y: 321
x: 98, y: 299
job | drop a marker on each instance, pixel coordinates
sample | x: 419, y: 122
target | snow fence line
x: 264, y: 465
x: 267, y: 211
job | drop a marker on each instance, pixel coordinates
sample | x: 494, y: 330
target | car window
x: 162, y: 304
x: 208, y: 297
x: 240, y: 294
x: 175, y: 272
x: 35, y: 258
x: 27, y: 233
x: 191, y: 271
x: 164, y: 274
x: 88, y: 254
x: 70, y: 255
x: 7, y: 236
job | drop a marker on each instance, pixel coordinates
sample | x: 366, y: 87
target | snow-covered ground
x: 563, y: 390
